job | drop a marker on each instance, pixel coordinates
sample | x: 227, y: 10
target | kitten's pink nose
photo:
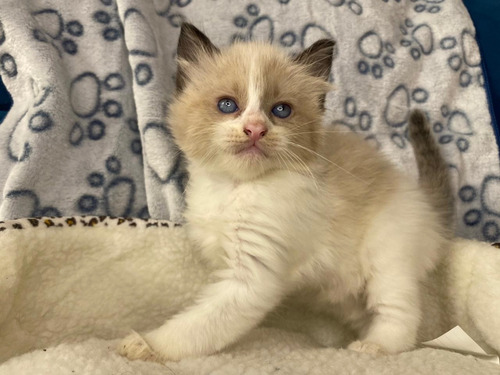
x: 255, y: 131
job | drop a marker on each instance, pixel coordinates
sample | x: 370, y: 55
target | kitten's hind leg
x: 402, y: 245
x: 393, y: 298
x: 392, y: 292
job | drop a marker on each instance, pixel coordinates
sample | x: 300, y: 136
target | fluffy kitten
x: 283, y: 207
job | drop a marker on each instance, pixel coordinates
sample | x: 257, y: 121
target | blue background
x: 486, y: 17
x: 5, y: 101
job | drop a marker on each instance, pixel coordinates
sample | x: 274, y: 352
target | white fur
x: 274, y: 237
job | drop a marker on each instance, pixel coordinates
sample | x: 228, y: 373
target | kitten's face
x: 249, y: 109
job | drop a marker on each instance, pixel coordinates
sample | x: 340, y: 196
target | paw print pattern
x: 359, y: 121
x: 135, y: 144
x: 168, y: 10
x: 2, y: 34
x: 429, y: 6
x: 312, y: 32
x: 30, y: 204
x: 171, y: 167
x: 397, y: 111
x: 143, y: 48
x: 255, y: 26
x: 352, y: 5
x: 8, y: 65
x: 465, y: 59
x: 418, y: 38
x: 116, y: 195
x: 36, y: 120
x: 109, y: 23
x: 86, y: 101
x: 54, y: 30
x: 458, y: 128
x: 485, y: 210
x: 377, y: 54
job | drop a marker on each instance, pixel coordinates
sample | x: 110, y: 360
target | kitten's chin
x: 251, y: 152
x: 247, y: 164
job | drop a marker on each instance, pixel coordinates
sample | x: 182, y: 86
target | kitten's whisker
x: 331, y: 162
x: 304, y: 124
x: 207, y: 157
x: 283, y: 163
x: 322, y: 131
x: 291, y: 161
x: 290, y: 153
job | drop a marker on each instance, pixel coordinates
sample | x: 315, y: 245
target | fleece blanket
x: 91, y: 81
x: 70, y: 287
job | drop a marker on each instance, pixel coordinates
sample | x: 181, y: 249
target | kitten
x: 284, y: 207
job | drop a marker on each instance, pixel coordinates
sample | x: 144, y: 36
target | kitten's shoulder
x: 349, y: 150
x: 354, y: 165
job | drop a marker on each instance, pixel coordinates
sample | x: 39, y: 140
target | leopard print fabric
x: 93, y: 221
x: 85, y: 221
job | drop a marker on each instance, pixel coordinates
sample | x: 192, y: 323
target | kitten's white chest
x: 281, y: 213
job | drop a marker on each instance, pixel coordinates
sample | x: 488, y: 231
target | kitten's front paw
x: 135, y: 347
x: 366, y: 347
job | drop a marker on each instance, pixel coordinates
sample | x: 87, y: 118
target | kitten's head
x: 248, y: 109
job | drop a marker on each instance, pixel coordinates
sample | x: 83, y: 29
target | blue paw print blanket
x: 91, y: 82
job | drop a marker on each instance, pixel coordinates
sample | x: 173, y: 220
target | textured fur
x: 319, y: 216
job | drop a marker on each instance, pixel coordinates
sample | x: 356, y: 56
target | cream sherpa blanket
x: 69, y: 288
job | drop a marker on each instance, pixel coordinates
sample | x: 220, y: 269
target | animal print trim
x: 85, y: 221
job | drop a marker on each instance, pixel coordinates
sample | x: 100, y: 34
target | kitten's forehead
x: 257, y: 72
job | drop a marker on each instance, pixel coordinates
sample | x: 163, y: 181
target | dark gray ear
x: 192, y: 44
x: 318, y: 58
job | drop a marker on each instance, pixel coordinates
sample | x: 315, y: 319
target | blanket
x: 87, y: 135
x: 91, y: 82
x: 70, y: 287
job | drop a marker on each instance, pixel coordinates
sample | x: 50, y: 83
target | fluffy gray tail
x: 432, y: 168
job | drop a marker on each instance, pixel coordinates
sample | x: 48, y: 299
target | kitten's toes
x: 134, y: 347
x: 366, y: 347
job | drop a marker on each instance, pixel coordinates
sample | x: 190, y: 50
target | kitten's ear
x: 192, y: 44
x: 318, y: 58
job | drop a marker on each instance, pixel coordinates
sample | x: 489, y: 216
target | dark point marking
x: 33, y: 222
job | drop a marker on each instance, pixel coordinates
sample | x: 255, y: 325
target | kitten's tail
x: 432, y: 168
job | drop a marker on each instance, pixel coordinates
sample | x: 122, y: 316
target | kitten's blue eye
x: 227, y: 105
x: 281, y: 110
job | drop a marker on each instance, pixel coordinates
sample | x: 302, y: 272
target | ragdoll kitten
x: 282, y: 206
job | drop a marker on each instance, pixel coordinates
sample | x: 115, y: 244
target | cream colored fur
x: 321, y: 216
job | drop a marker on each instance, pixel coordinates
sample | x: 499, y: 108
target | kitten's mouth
x: 251, y: 150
